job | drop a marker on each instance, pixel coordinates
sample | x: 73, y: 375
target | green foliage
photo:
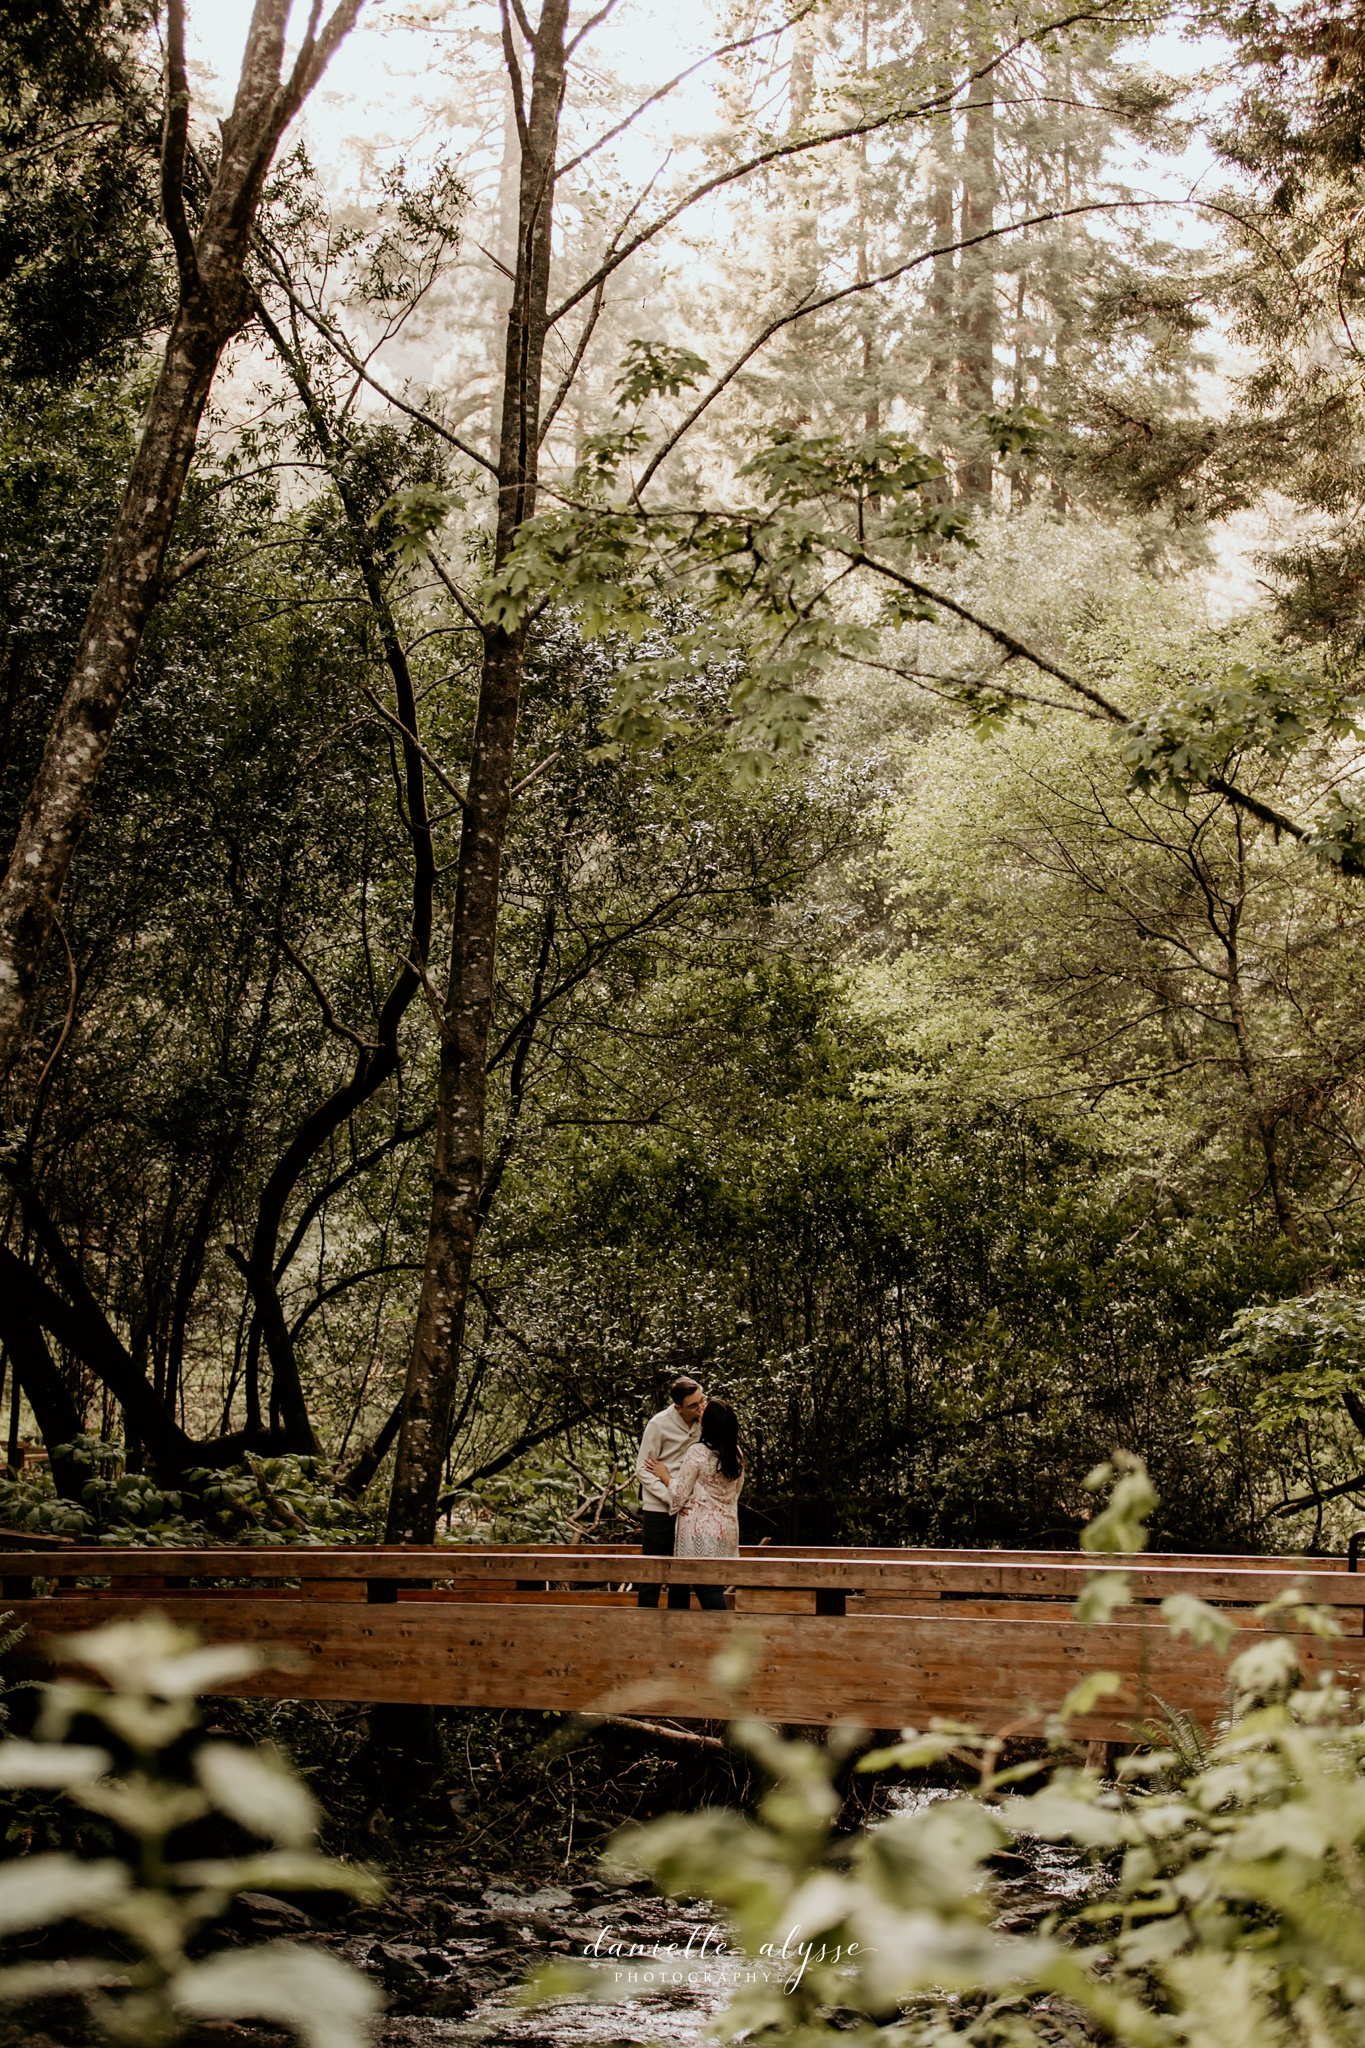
x: 83, y: 274
x: 409, y: 520
x: 1230, y: 1907
x: 1194, y: 737
x: 266, y: 1500
x: 802, y: 469
x: 654, y: 369
x: 1280, y: 1365
x: 1121, y: 1527
x: 756, y: 580
x: 1023, y: 432
x: 147, y: 1777
x: 601, y: 456
x: 1338, y: 836
x: 542, y: 1500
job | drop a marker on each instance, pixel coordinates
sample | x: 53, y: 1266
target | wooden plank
x: 466, y: 1596
x: 1245, y: 1582
x: 883, y: 1671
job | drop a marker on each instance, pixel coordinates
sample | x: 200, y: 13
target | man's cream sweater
x: 667, y: 1437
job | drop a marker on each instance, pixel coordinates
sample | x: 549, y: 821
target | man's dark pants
x: 658, y: 1542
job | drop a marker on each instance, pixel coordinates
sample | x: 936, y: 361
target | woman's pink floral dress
x: 706, y: 1505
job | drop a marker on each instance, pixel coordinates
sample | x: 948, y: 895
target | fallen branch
x: 661, y: 1729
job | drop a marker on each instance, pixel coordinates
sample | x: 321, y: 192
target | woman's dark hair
x: 720, y: 1432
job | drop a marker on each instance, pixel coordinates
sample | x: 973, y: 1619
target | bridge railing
x: 886, y: 1638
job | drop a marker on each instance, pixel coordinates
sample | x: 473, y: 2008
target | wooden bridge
x: 885, y: 1638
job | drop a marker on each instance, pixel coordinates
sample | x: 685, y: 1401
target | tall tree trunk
x: 977, y: 316
x: 458, y: 1170
x: 211, y: 307
x: 867, y: 320
x: 54, y: 1411
x: 1263, y: 1119
x: 942, y: 293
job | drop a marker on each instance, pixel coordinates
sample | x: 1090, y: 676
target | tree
x: 211, y: 307
x: 537, y: 560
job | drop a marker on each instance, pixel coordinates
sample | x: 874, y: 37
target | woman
x: 704, y: 1493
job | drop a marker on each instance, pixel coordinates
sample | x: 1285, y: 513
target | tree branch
x: 348, y: 356
x: 1313, y: 1500
x: 349, y: 1280
x: 869, y: 284
x: 329, y: 1017
x: 174, y: 142
x: 938, y: 103
x: 413, y: 741
x: 663, y: 91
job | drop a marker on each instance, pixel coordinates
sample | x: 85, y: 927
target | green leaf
x: 1266, y: 1668
x: 1086, y: 1696
x: 143, y: 1805
x: 1120, y: 1529
x: 152, y: 1656
x: 1023, y: 431
x: 409, y: 520
x: 1338, y: 837
x: 51, y: 1980
x: 1186, y: 1615
x: 256, y: 1788
x: 1191, y: 739
x: 44, y: 1888
x: 653, y: 368
x: 49, y: 1765
x: 1101, y: 1597
x: 282, y: 1870
x: 800, y: 469
x: 326, y: 2002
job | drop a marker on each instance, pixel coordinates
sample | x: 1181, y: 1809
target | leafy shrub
x: 545, y: 1499
x: 264, y: 1501
x: 150, y: 1780
x: 1234, y: 1917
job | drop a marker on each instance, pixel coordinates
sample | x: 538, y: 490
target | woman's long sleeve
x: 685, y: 1480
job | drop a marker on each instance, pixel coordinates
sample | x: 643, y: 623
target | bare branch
x: 509, y: 47
x: 538, y: 770
x: 413, y: 741
x: 593, y: 21
x: 1265, y: 813
x: 1017, y: 648
x: 350, y: 1280
x: 594, y: 313
x: 329, y: 1016
x: 661, y: 1731
x: 711, y: 57
x: 455, y: 591
x: 808, y: 306
x: 173, y: 578
x: 68, y: 1020
x: 954, y: 685
x: 1312, y: 1500
x: 348, y: 356
x: 937, y: 103
x: 315, y: 54
x: 565, y: 385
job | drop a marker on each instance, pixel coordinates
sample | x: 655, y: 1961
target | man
x: 668, y: 1436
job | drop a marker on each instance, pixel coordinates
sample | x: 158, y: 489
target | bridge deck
x: 887, y: 1638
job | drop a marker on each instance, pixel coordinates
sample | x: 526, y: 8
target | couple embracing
x: 690, y: 1470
